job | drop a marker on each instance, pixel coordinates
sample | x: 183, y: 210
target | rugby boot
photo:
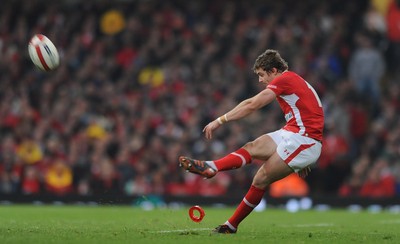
x: 197, y: 167
x: 224, y: 229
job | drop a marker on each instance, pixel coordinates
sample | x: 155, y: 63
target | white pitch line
x: 310, y: 225
x: 172, y: 231
x: 390, y: 221
x: 208, y: 229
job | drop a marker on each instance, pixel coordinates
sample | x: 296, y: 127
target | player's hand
x: 208, y: 130
x: 304, y: 172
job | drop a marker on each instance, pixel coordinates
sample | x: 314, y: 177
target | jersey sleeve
x: 280, y: 85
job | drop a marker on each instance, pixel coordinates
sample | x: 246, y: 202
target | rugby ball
x: 43, y: 53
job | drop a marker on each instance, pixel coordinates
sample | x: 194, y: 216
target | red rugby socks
x: 233, y: 160
x: 249, y: 202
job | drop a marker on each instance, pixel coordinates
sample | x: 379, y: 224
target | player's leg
x: 210, y: 168
x: 294, y: 153
x: 261, y: 148
x: 272, y: 170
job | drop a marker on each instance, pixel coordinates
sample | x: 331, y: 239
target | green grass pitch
x: 124, y: 224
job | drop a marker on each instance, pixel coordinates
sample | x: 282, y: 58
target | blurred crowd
x: 140, y: 79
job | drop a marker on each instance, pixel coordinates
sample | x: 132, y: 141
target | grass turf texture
x: 122, y: 224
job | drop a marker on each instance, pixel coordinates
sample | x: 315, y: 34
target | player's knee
x: 249, y: 146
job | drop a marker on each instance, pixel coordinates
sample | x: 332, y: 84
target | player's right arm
x: 243, y: 109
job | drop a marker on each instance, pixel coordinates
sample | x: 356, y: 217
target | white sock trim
x: 241, y: 157
x: 248, y: 203
x: 230, y: 225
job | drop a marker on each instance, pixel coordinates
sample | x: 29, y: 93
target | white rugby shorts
x: 296, y: 150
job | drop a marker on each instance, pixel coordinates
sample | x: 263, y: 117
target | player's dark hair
x: 270, y: 59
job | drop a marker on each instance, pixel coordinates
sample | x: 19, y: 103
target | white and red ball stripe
x: 43, y: 53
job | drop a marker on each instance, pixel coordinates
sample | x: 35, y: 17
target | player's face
x: 265, y: 77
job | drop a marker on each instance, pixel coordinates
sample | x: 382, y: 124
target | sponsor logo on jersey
x: 288, y: 116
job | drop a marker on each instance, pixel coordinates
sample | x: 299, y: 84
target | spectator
x: 380, y: 182
x: 58, y: 178
x: 31, y: 182
x: 354, y: 182
x: 393, y: 34
x: 366, y: 69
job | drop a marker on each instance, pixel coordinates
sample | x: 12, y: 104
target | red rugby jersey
x: 300, y: 104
